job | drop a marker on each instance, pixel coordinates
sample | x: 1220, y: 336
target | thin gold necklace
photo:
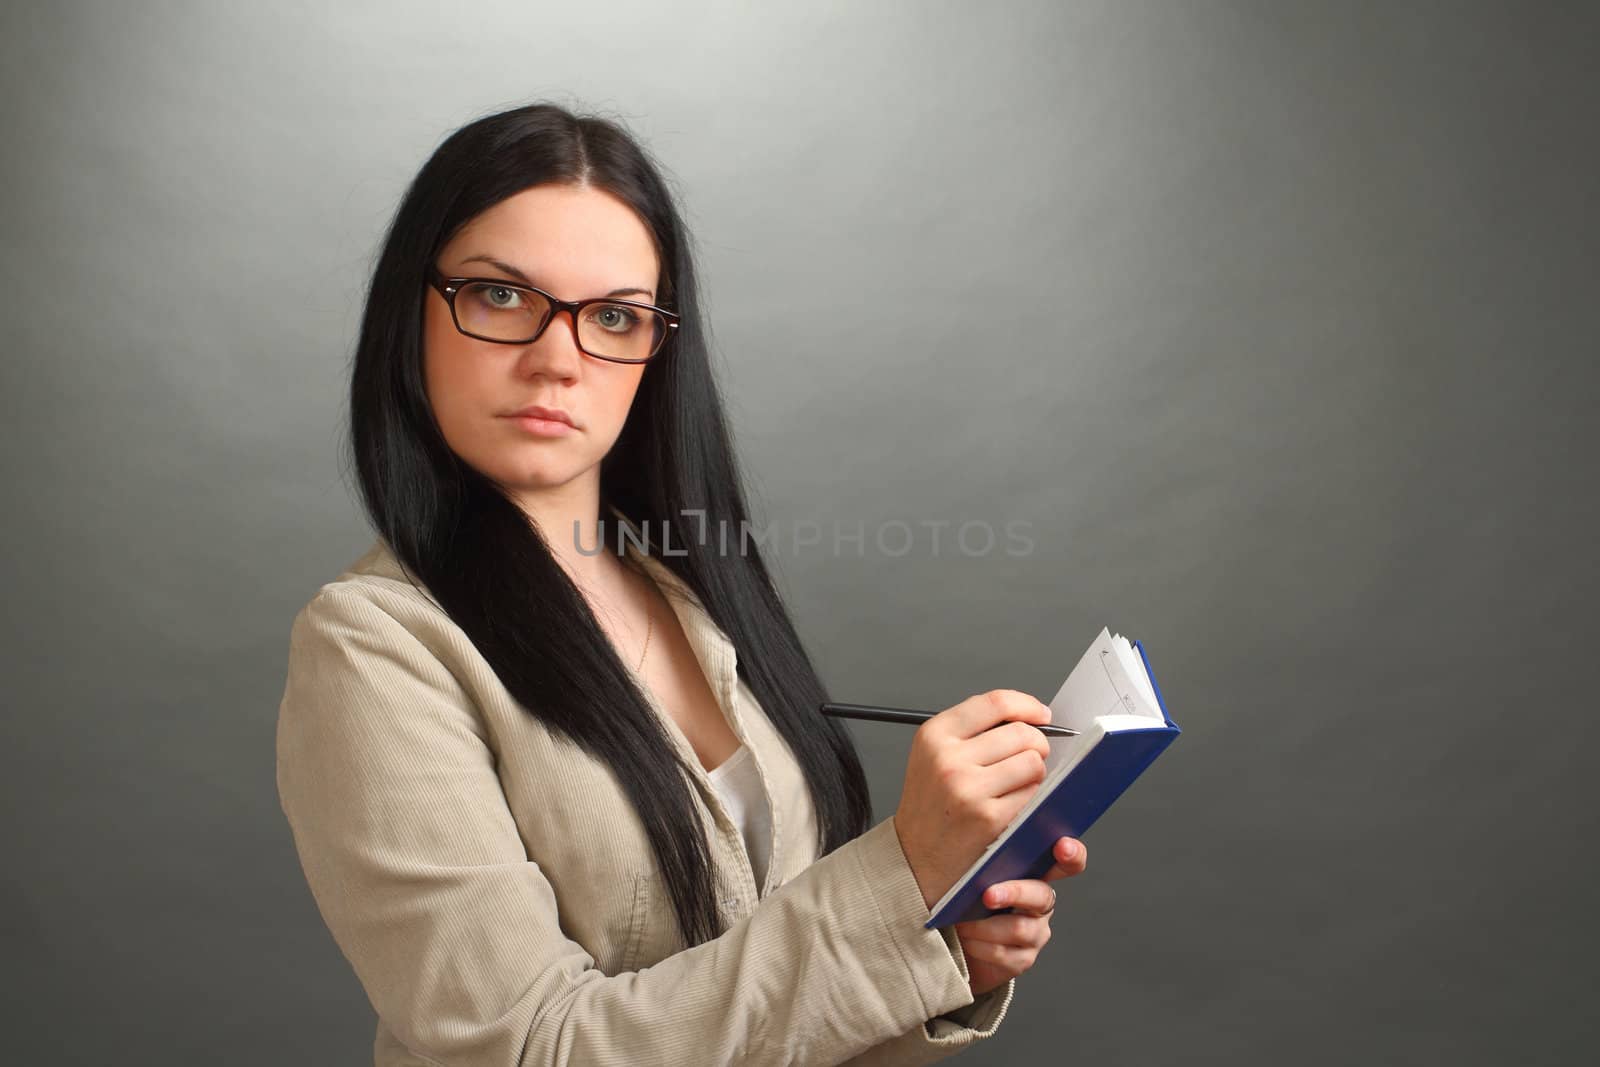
x: 650, y: 622
x: 649, y: 628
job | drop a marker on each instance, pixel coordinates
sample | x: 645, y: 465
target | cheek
x: 452, y: 377
x: 435, y: 359
x: 618, y: 394
x: 455, y: 391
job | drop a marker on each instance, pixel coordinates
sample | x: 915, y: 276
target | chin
x: 538, y: 477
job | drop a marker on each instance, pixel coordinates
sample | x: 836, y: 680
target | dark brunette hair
x: 489, y: 566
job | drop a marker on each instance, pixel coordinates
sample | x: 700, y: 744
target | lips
x: 535, y: 411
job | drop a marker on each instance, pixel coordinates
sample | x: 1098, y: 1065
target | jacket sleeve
x: 388, y: 782
x: 943, y: 1035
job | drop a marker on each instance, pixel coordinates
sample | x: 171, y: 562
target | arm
x: 417, y: 867
x: 948, y: 1033
x: 943, y: 1035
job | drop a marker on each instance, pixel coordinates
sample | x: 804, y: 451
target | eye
x: 615, y: 317
x: 496, y: 297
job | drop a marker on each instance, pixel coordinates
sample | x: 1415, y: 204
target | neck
x: 568, y: 516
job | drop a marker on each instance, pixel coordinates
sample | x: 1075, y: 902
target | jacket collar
x: 711, y: 645
x: 715, y: 653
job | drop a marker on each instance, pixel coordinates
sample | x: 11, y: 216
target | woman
x: 563, y: 796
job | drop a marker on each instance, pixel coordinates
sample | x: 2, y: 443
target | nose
x: 555, y: 351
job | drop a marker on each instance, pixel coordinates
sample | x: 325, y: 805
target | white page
x: 1125, y: 668
x: 1088, y: 691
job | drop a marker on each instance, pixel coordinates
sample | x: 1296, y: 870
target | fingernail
x: 999, y: 896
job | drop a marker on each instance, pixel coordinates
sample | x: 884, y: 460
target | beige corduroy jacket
x: 494, y: 890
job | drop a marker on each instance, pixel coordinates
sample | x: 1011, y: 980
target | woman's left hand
x: 1000, y: 947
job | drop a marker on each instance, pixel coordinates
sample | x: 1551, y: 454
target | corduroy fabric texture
x: 495, y: 893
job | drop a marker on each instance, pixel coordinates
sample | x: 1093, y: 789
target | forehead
x: 566, y: 237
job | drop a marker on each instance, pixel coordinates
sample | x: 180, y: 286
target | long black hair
x: 672, y: 471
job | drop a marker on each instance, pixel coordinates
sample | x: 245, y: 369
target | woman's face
x: 573, y: 242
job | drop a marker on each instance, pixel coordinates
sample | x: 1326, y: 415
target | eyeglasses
x: 619, y: 331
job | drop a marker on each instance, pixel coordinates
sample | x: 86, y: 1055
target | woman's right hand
x: 965, y: 782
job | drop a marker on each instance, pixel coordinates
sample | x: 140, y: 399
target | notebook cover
x: 1080, y: 798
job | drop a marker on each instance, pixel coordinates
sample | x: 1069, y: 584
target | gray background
x: 1276, y: 321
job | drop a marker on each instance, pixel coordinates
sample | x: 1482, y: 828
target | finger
x: 1071, y: 858
x: 1012, y: 958
x: 1026, y: 895
x: 992, y: 746
x: 1012, y: 773
x: 979, y: 713
x: 1007, y: 930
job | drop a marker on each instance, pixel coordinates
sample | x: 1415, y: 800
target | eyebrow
x: 522, y: 276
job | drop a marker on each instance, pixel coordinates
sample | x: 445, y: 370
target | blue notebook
x: 1112, y: 700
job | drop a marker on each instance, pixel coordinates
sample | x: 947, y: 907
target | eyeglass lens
x: 507, y: 313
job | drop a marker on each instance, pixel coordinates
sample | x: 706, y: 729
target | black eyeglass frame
x: 449, y: 287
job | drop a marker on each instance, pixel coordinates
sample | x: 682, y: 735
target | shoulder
x: 375, y: 616
x: 376, y: 581
x: 373, y: 656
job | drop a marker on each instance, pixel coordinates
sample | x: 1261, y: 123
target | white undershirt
x: 739, y: 785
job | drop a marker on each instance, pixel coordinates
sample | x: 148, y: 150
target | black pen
x: 868, y: 711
